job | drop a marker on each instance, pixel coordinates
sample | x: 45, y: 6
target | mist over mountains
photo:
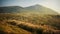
x: 31, y: 9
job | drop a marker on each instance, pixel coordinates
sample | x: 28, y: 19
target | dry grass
x: 11, y: 29
x: 32, y: 24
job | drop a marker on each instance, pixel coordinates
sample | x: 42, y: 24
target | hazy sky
x: 53, y: 4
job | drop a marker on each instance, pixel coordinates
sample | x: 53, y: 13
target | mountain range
x: 36, y: 9
x: 34, y: 19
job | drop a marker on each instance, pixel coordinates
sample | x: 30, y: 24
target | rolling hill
x: 40, y: 9
x: 35, y: 9
x: 10, y: 9
x: 34, y: 19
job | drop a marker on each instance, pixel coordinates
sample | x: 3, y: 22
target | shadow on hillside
x: 2, y: 32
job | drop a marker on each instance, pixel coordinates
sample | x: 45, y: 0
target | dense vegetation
x: 29, y: 24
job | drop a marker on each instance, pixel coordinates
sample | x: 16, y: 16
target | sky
x: 53, y: 4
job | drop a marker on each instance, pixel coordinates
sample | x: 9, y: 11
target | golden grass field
x: 29, y: 24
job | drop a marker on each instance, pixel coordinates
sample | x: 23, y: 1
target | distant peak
x: 37, y: 5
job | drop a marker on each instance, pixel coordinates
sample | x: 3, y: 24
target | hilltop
x: 35, y: 9
x: 34, y: 19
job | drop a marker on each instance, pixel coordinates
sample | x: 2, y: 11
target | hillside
x: 35, y: 9
x: 39, y: 9
x: 6, y: 28
x: 24, y: 24
x: 34, y: 19
x: 11, y: 9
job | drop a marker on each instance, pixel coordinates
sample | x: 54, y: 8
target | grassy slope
x: 6, y: 28
x: 46, y: 21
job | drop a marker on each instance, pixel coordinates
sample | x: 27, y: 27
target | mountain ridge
x: 33, y: 9
x: 40, y: 8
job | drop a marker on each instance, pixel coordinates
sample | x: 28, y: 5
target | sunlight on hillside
x: 29, y: 24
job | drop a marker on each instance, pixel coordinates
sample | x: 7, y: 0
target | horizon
x: 52, y: 4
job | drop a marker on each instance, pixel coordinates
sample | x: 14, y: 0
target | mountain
x: 29, y: 20
x: 35, y: 9
x: 40, y: 9
x: 10, y: 9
